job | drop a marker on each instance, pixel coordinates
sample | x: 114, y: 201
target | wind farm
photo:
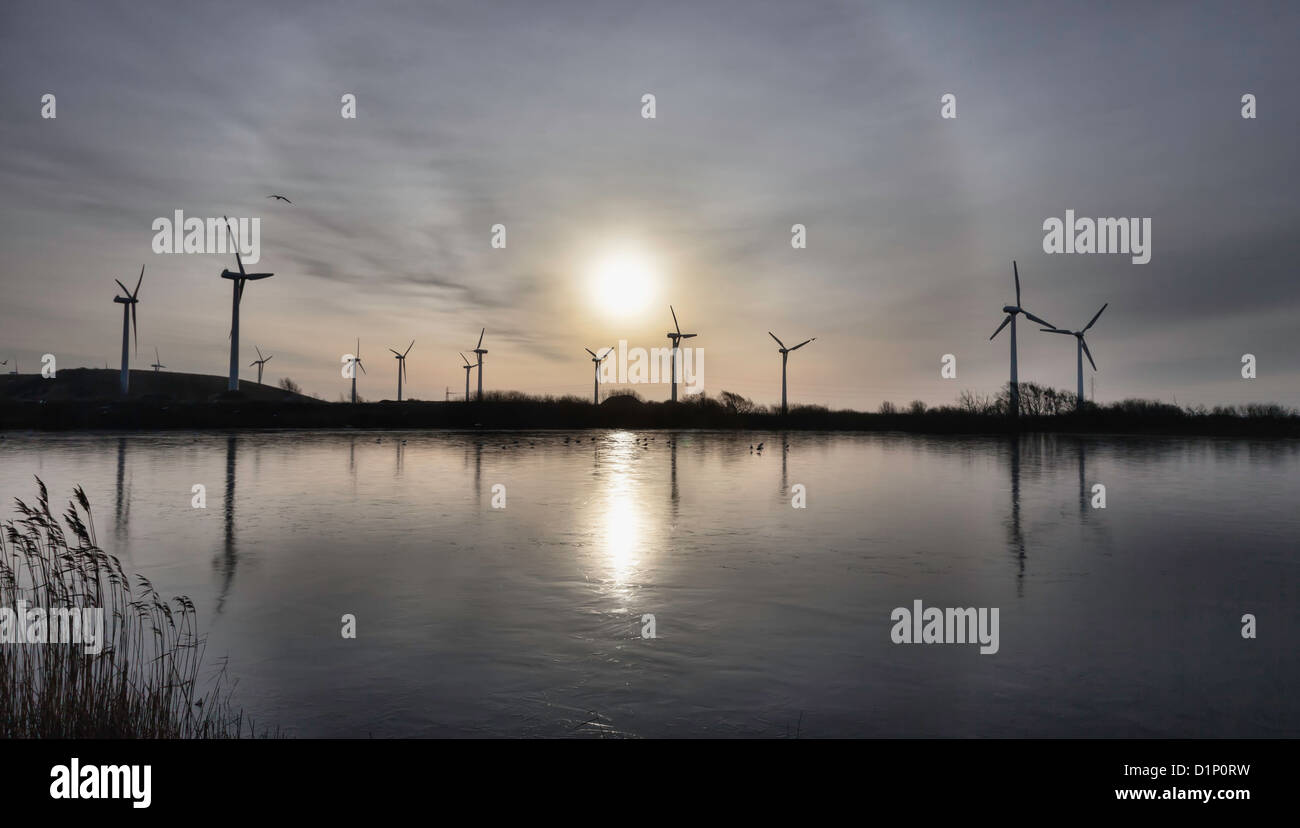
x: 1045, y: 409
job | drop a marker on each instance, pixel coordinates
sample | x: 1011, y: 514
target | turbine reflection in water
x: 229, y: 559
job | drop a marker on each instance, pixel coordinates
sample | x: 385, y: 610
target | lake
x: 768, y: 620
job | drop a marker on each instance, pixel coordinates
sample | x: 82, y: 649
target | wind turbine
x: 157, y: 361
x: 128, y: 303
x: 1080, y: 349
x: 356, y: 363
x: 1011, y: 312
x: 238, y: 279
x: 785, y: 356
x: 480, y: 350
x: 401, y: 367
x: 676, y: 338
x: 469, y: 366
x: 260, y: 362
x: 598, y: 360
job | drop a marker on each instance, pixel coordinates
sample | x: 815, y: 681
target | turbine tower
x: 128, y: 303
x: 1080, y: 349
x: 356, y: 363
x: 676, y: 338
x: 238, y: 280
x: 785, y: 356
x: 480, y: 350
x: 157, y: 361
x: 1012, y: 311
x: 259, y: 362
x: 469, y: 366
x: 598, y: 360
x: 401, y: 367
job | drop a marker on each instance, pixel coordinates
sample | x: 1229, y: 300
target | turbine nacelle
x: 677, y: 336
x: 785, y: 350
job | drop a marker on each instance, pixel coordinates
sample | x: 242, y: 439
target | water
x: 770, y: 621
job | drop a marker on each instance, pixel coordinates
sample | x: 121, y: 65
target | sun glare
x: 623, y: 282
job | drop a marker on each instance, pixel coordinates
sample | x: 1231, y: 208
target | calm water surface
x: 771, y: 621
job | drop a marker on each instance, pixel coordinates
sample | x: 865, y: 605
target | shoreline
x: 238, y: 415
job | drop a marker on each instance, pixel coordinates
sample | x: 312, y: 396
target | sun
x: 623, y: 281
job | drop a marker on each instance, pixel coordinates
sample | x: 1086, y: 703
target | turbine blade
x: 268, y: 359
x: 122, y: 286
x: 251, y: 364
x: 235, y: 244
x: 399, y: 356
x: 467, y: 362
x: 1094, y: 319
x: 259, y: 351
x: 674, y: 313
x: 778, y: 341
x: 480, y: 339
x: 801, y: 344
x: 362, y: 367
x: 588, y: 350
x: 408, y: 348
x: 1015, y: 269
x: 1036, y: 319
x: 1005, y: 322
x: 1056, y: 330
x: 137, y: 283
x: 135, y: 328
x: 608, y: 352
x: 1087, y: 353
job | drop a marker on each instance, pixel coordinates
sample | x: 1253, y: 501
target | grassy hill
x: 98, y: 384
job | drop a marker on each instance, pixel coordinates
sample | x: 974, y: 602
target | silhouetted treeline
x: 1041, y: 409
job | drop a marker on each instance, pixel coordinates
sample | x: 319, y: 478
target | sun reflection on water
x: 622, y: 518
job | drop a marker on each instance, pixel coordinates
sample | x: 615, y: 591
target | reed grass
x: 144, y: 683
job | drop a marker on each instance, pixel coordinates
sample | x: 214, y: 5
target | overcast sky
x: 769, y: 114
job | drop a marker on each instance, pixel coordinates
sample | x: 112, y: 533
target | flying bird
x: 280, y: 197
